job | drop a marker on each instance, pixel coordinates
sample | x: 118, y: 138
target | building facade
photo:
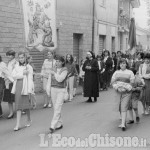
x: 82, y: 25
x: 11, y: 26
x: 125, y: 13
x: 106, y: 26
x: 143, y: 39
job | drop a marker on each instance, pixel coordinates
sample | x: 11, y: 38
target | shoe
x: 146, y: 113
x: 49, y: 105
x: 120, y: 126
x: 45, y: 106
x: 29, y: 123
x: 70, y: 100
x: 123, y: 128
x: 16, y: 129
x: 58, y: 128
x: 130, y: 122
x: 89, y: 101
x: 137, y: 119
x: 10, y: 117
x: 51, y: 130
x: 95, y: 99
x: 23, y: 112
x: 105, y: 89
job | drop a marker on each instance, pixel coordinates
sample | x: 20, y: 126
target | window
x: 102, y: 3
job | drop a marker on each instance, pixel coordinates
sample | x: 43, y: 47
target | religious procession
x: 77, y: 70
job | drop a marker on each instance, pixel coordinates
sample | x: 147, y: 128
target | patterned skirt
x: 122, y: 101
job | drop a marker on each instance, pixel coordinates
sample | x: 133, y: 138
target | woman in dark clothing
x: 114, y: 57
x: 91, y: 80
x: 101, y: 67
x: 108, y: 69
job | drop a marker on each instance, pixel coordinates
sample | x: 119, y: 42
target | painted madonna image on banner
x: 40, y: 24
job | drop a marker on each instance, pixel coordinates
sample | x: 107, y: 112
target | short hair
x: 118, y: 52
x: 61, y: 58
x: 114, y: 53
x: 107, y: 52
x: 71, y: 58
x: 22, y: 53
x: 142, y: 54
x: 121, y: 61
x: 11, y: 53
x: 98, y: 56
x: 52, y: 52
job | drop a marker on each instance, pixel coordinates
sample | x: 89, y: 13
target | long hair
x: 71, y: 58
x: 22, y: 53
x: 107, y: 52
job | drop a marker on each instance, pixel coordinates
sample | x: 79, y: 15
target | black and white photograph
x: 74, y: 74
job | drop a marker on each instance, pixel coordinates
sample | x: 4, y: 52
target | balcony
x: 124, y: 23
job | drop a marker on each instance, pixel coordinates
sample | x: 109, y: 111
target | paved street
x: 80, y: 120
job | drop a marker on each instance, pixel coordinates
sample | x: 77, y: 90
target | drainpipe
x: 93, y: 23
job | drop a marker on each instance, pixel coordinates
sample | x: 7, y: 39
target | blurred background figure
x: 33, y: 97
x: 81, y: 75
x: 47, y: 65
x: 76, y: 77
x: 101, y: 68
x: 108, y: 63
x: 71, y: 74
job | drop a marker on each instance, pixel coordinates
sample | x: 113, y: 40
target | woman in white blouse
x: 22, y: 88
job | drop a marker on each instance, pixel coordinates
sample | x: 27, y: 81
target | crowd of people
x: 129, y: 75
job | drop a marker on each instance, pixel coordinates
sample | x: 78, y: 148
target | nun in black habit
x: 91, y: 79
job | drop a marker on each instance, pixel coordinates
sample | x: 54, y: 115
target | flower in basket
x: 122, y: 86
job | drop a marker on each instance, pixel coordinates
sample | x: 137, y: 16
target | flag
x: 132, y: 34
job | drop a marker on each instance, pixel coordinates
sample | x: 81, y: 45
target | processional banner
x: 40, y: 24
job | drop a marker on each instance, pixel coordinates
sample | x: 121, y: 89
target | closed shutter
x: 113, y: 44
x: 38, y: 59
x: 101, y: 43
